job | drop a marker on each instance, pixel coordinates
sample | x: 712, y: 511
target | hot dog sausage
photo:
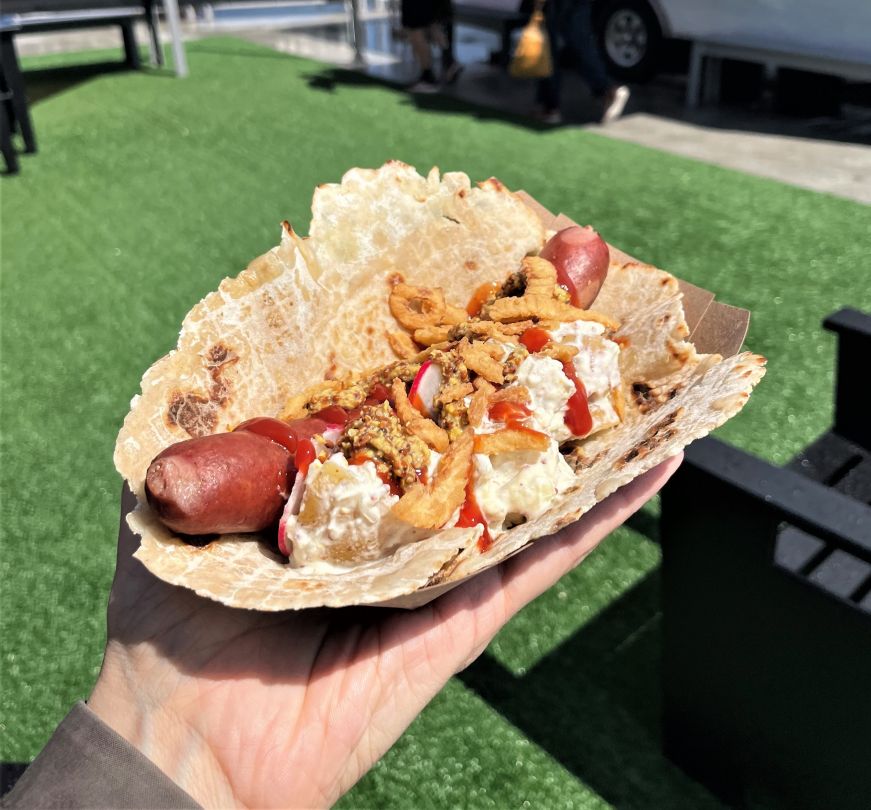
x: 229, y: 482
x: 581, y: 259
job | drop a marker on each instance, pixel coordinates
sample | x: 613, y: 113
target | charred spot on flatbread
x: 195, y: 413
x: 577, y: 456
x: 646, y: 397
x: 658, y: 434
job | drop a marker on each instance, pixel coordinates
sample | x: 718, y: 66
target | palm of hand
x: 290, y: 709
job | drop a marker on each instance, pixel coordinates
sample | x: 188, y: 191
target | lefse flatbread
x: 316, y: 307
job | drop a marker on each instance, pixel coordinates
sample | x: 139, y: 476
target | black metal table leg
x: 131, y: 51
x: 14, y: 83
x: 6, y: 147
x: 154, y: 32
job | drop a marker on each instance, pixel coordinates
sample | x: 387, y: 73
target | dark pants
x: 575, y: 27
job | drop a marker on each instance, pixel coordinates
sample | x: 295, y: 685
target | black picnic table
x: 37, y: 16
x: 766, y: 609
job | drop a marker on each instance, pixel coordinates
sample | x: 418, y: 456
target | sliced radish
x: 332, y: 434
x: 425, y: 388
x: 291, y: 508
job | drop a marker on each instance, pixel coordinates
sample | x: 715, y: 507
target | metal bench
x: 14, y: 113
x: 766, y: 605
x: 123, y: 17
x: 38, y: 16
x: 706, y: 56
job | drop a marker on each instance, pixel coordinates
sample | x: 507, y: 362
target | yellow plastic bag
x: 532, y: 57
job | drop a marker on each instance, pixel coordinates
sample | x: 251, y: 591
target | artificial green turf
x: 148, y: 190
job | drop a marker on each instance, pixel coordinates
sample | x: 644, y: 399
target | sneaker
x: 544, y: 116
x: 615, y: 102
x: 552, y: 117
x: 426, y: 83
x: 423, y: 86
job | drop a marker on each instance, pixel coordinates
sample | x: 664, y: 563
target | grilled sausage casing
x: 581, y: 259
x: 220, y: 484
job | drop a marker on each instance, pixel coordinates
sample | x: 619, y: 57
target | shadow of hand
x: 291, y: 709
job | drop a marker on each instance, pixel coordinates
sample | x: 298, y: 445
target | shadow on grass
x: 594, y: 705
x: 10, y: 773
x: 476, y: 96
x: 43, y: 83
x: 645, y: 523
x: 440, y: 103
x: 330, y: 79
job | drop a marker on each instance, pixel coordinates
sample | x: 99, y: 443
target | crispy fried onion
x: 480, y: 401
x: 430, y: 507
x: 519, y: 327
x: 540, y: 300
x: 454, y: 315
x: 420, y: 426
x: 451, y: 393
x: 430, y: 335
x: 477, y: 358
x: 514, y: 393
x: 493, y: 349
x: 510, y: 439
x: 540, y: 276
x: 416, y: 307
x: 559, y: 351
x: 532, y: 306
x: 402, y: 344
x: 504, y: 333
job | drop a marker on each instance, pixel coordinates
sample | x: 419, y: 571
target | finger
x: 529, y: 574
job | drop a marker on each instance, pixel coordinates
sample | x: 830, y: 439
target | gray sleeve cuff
x: 86, y: 764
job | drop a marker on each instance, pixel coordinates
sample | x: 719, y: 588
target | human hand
x: 290, y: 709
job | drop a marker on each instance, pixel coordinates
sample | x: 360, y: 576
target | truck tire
x: 630, y: 38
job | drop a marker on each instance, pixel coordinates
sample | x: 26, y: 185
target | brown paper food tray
x: 715, y: 328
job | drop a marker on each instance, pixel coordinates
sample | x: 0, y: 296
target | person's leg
x: 583, y: 42
x: 547, y: 94
x: 417, y: 19
x: 547, y: 91
x: 420, y: 48
x: 591, y: 64
x: 450, y: 67
x: 438, y: 37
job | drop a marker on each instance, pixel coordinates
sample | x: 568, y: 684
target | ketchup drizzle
x: 305, y: 455
x: 296, y: 435
x: 471, y: 515
x: 509, y: 412
x: 578, y: 417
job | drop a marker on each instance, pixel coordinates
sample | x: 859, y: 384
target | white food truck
x: 826, y: 36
